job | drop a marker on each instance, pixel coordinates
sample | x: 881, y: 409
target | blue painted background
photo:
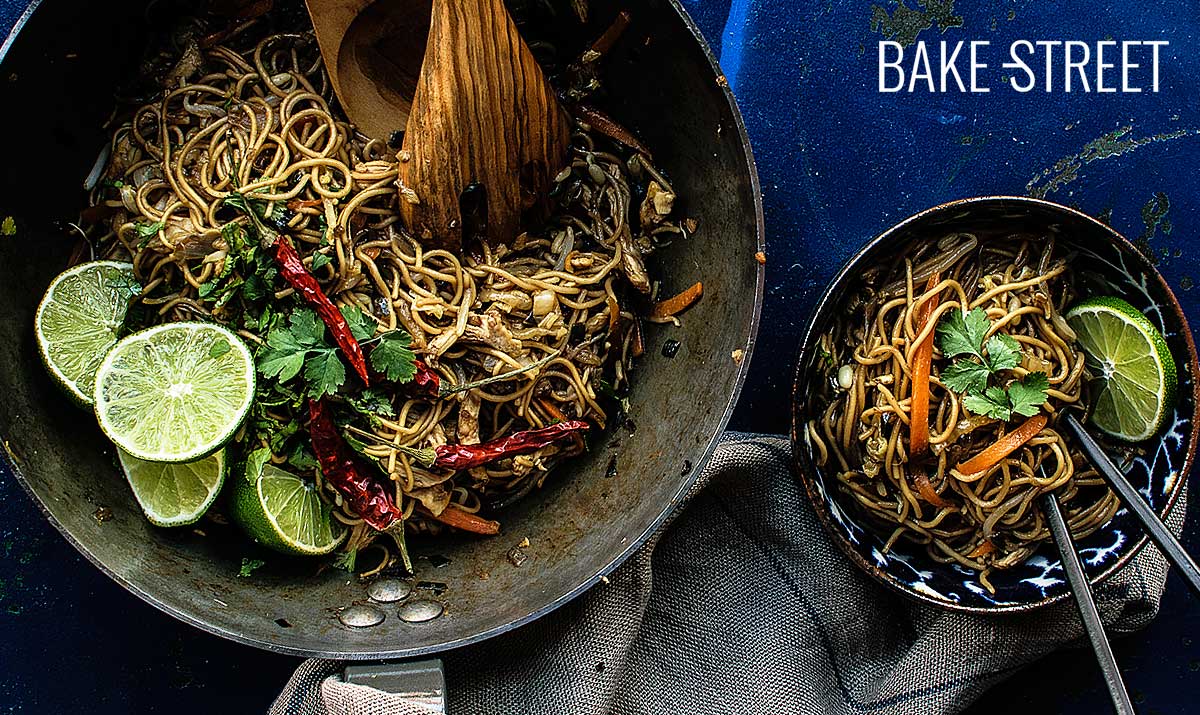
x: 839, y: 163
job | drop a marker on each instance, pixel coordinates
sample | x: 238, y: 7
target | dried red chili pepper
x: 291, y: 267
x: 365, y: 495
x: 467, y: 456
x: 426, y: 382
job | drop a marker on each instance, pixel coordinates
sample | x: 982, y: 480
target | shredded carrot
x: 984, y: 548
x: 297, y: 204
x: 1004, y: 446
x: 922, y: 362
x: 637, y: 347
x: 465, y: 520
x: 927, y: 492
x: 614, y: 314
x: 678, y: 303
x: 612, y: 34
x: 557, y: 414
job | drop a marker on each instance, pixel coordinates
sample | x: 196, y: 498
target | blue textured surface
x: 839, y: 163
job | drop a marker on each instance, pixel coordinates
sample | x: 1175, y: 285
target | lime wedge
x: 175, y: 392
x: 284, y: 512
x: 1132, y: 366
x: 78, y: 321
x: 174, y: 494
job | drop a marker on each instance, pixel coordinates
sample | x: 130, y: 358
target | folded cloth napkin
x: 744, y: 605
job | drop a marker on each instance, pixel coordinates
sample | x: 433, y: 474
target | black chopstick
x: 1087, y: 606
x: 1166, y: 541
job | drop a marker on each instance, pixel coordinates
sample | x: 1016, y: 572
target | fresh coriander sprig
x: 962, y: 333
x: 302, y: 346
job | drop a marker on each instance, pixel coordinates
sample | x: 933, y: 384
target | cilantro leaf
x: 218, y: 349
x: 962, y: 333
x: 207, y: 289
x: 319, y: 261
x: 1028, y: 395
x: 147, y: 231
x: 324, y: 373
x: 966, y: 376
x: 1003, y: 353
x: 362, y: 326
x: 249, y: 566
x: 372, y: 402
x: 284, y: 354
x: 302, y: 459
x: 992, y: 403
x: 307, y: 329
x: 281, y: 364
x: 345, y: 560
x: 392, y: 356
x: 255, y: 461
x: 281, y: 434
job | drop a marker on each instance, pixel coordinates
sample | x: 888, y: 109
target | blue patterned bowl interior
x: 1107, y: 264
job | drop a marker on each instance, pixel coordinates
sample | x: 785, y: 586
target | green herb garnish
x: 964, y: 334
x: 249, y: 566
x: 147, y: 231
x: 302, y: 348
x: 393, y: 357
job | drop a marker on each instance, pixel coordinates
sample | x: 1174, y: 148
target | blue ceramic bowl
x: 1107, y: 264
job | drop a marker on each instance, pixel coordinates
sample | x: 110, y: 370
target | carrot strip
x: 614, y: 315
x: 637, y: 348
x: 612, y: 34
x: 678, y: 303
x: 465, y: 520
x: 297, y: 204
x: 922, y: 364
x: 557, y: 414
x: 985, y: 547
x: 927, y: 492
x: 1004, y: 446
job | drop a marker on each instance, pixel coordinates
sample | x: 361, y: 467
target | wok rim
x: 668, y: 510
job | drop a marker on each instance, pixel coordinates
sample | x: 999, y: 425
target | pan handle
x: 421, y: 681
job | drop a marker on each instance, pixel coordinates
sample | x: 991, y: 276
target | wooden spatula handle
x: 483, y: 114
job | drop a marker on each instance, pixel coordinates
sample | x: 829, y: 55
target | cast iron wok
x: 57, y: 80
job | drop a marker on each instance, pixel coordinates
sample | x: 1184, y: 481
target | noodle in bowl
x: 975, y: 541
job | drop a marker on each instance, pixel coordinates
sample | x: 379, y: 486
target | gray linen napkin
x: 743, y: 605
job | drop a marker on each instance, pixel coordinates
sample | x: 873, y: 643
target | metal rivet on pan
x: 361, y: 616
x: 389, y: 590
x: 421, y: 611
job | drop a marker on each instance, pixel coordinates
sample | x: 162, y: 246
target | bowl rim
x: 802, y: 459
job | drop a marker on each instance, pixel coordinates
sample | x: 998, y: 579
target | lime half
x: 175, y: 392
x: 285, y: 513
x: 1132, y: 366
x: 174, y: 494
x: 79, y: 319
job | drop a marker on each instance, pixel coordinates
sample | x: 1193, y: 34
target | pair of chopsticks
x: 1155, y: 528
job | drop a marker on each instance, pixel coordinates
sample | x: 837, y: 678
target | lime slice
x: 78, y: 321
x: 284, y: 512
x: 1132, y: 366
x: 175, y: 392
x: 174, y: 494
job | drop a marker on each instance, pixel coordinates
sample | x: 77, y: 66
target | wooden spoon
x: 373, y: 50
x: 484, y: 134
x: 484, y: 118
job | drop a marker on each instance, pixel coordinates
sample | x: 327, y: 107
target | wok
x: 58, y: 77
